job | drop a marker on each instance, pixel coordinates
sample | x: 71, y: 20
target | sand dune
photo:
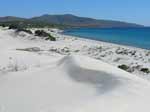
x: 52, y: 82
x: 73, y: 84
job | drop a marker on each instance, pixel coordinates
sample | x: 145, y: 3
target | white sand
x: 113, y: 54
x: 50, y: 80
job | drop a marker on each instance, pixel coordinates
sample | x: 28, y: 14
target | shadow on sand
x: 102, y: 81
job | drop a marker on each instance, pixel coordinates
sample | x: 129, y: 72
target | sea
x: 136, y: 37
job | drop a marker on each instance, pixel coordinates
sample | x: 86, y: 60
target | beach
x: 134, y: 58
x: 70, y: 74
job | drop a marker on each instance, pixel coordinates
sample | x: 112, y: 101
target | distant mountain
x: 76, y: 21
x: 73, y: 21
x: 11, y: 18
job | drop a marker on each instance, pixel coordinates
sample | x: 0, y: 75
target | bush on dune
x: 24, y: 30
x: 19, y: 28
x: 123, y: 67
x: 145, y: 70
x: 3, y: 25
x: 13, y: 26
x: 42, y: 33
x: 51, y: 38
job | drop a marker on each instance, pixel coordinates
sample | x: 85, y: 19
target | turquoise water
x: 136, y: 37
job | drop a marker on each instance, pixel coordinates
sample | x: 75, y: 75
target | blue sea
x: 136, y: 37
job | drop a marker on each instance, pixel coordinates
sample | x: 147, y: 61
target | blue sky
x: 136, y: 11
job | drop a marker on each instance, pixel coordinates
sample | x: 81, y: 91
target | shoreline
x: 123, y: 44
x: 100, y: 41
x: 107, y: 42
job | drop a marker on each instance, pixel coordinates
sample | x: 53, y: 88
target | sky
x: 135, y: 11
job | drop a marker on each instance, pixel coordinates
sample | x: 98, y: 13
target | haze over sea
x: 136, y: 37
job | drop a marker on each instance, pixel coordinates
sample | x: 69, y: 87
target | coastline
x: 114, y: 32
x: 106, y: 42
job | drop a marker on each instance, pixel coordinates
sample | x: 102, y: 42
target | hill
x: 76, y: 21
x: 11, y: 18
x: 71, y: 20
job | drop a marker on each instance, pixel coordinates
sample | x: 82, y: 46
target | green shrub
x: 12, y: 26
x: 123, y: 67
x: 145, y: 70
x: 42, y: 33
x: 3, y: 25
x: 24, y: 30
x: 51, y: 38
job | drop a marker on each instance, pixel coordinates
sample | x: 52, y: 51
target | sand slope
x: 50, y: 82
x: 74, y: 83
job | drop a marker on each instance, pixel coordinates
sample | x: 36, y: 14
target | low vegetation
x: 32, y: 24
x: 51, y: 38
x: 145, y: 70
x: 123, y: 67
x: 42, y: 33
x: 131, y: 69
x: 19, y: 28
x: 24, y: 30
x: 12, y: 26
x: 22, y: 27
x: 3, y: 25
